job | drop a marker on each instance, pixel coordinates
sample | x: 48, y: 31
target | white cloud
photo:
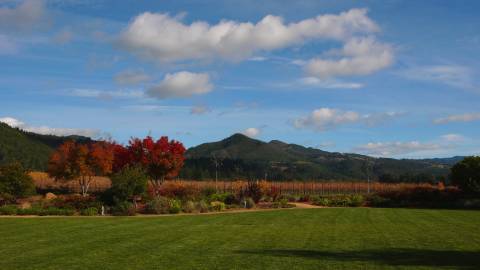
x: 102, y: 94
x: 453, y: 138
x: 389, y: 149
x: 168, y: 39
x: 329, y: 84
x: 181, y: 84
x: 326, y: 118
x: 131, y: 77
x: 12, y: 122
x: 154, y: 108
x: 323, y: 119
x: 359, y: 56
x: 452, y: 75
x: 45, y: 130
x: 200, y: 109
x: 257, y: 59
x: 467, y: 117
x: 251, y: 132
x: 26, y: 16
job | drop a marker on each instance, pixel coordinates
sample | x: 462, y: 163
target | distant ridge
x: 242, y: 157
x: 31, y: 149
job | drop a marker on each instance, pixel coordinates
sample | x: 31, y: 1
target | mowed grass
x: 333, y: 238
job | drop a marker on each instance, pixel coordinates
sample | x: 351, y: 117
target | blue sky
x: 384, y: 78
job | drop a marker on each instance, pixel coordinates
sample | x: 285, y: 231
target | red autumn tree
x: 80, y: 162
x: 162, y: 159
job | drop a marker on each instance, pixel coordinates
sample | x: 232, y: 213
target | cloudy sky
x: 384, y: 78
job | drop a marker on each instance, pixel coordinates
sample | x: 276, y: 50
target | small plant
x: 283, y: 203
x: 227, y: 198
x: 163, y: 205
x: 249, y: 203
x: 159, y: 205
x: 91, y: 211
x: 356, y: 200
x: 217, y: 206
x: 378, y: 201
x: 124, y: 209
x: 321, y: 201
x: 174, y: 206
x: 8, y: 210
x: 202, y: 207
x: 188, y: 207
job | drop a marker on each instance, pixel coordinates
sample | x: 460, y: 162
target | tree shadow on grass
x: 392, y: 257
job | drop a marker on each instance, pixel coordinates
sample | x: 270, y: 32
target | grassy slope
x: 291, y: 239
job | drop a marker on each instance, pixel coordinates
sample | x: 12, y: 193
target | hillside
x: 241, y: 156
x: 31, y: 149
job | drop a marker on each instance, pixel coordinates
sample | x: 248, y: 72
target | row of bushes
x: 354, y: 200
x: 424, y: 197
x: 164, y: 205
x: 36, y: 210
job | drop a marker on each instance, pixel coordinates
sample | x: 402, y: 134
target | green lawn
x: 347, y: 238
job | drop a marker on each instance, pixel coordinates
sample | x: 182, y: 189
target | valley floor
x: 326, y: 238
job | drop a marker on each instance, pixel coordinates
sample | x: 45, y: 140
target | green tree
x: 15, y: 181
x: 466, y: 174
x: 128, y: 183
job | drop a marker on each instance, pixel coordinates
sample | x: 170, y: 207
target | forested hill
x: 239, y: 156
x: 31, y: 149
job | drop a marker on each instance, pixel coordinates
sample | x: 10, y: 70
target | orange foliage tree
x: 81, y: 162
x: 162, y: 159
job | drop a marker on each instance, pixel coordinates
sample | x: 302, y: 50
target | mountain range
x: 241, y: 157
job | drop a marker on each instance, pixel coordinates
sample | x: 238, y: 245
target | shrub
x: 159, y: 205
x: 227, y: 198
x: 283, y: 203
x: 188, y: 207
x: 91, y: 211
x: 470, y: 204
x: 15, y: 181
x: 217, y: 206
x: 249, y: 203
x: 163, y: 205
x: 175, y: 206
x: 466, y: 175
x: 288, y: 197
x: 202, y: 206
x: 54, y: 211
x: 378, y: 201
x: 356, y: 200
x: 417, y: 197
x: 321, y: 201
x: 128, y: 183
x: 8, y: 210
x: 254, y: 191
x: 49, y: 211
x: 304, y: 198
x: 76, y: 202
x: 124, y: 209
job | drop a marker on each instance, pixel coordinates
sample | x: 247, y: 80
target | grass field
x: 332, y: 238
